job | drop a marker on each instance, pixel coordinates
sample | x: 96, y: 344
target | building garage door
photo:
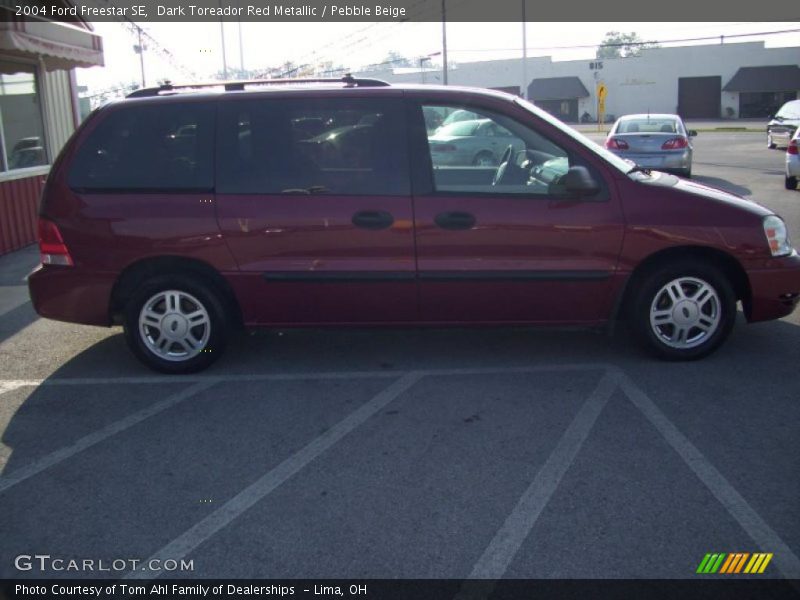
x: 699, y: 97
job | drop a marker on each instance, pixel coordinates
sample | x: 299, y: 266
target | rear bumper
x: 660, y: 160
x: 775, y: 291
x: 70, y: 294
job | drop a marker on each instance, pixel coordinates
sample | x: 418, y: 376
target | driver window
x: 479, y: 151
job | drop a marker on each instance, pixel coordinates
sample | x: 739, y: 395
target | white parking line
x: 508, y: 539
x: 7, y: 385
x: 762, y: 534
x: 9, y: 480
x: 233, y: 508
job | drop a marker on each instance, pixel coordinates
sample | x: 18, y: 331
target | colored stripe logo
x: 734, y: 563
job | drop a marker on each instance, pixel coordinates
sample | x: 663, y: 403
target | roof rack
x: 235, y: 86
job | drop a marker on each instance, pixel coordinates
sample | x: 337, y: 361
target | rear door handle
x: 455, y: 220
x: 373, y: 219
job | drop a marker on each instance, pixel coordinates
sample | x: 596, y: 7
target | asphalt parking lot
x: 410, y: 454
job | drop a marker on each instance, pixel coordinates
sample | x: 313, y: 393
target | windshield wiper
x: 639, y: 169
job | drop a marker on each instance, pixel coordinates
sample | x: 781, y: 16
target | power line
x: 621, y: 44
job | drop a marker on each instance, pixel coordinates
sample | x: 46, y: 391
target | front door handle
x: 455, y: 220
x: 373, y: 219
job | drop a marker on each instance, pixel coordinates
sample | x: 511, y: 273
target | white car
x: 793, y: 161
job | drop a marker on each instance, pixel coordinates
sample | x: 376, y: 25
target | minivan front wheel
x: 175, y: 324
x: 684, y: 311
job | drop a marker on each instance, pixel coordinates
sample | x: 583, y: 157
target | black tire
x: 686, y: 173
x: 791, y: 183
x: 649, y: 289
x: 205, y: 295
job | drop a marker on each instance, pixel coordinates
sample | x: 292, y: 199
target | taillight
x: 675, y: 143
x: 443, y: 148
x: 792, y: 149
x: 51, y: 245
x: 616, y: 144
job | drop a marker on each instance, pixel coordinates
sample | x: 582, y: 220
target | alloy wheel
x: 685, y: 313
x: 174, y: 325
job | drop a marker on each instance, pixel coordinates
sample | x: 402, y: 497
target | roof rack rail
x: 234, y: 86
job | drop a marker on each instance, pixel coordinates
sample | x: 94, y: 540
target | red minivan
x: 182, y: 212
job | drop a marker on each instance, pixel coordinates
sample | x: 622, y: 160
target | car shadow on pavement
x: 723, y: 184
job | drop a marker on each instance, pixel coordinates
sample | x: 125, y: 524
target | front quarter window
x: 609, y: 157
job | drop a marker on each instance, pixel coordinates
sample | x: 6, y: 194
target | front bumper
x: 774, y: 291
x: 71, y: 294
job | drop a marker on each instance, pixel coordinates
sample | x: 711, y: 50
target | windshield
x: 609, y: 157
x: 790, y: 110
x: 647, y: 125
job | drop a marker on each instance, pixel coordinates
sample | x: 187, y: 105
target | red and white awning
x: 59, y: 45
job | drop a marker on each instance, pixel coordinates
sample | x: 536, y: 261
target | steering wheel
x: 509, y: 173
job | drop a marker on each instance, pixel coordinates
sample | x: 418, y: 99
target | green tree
x: 617, y: 44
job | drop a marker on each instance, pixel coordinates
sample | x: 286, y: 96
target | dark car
x: 181, y: 214
x: 782, y: 126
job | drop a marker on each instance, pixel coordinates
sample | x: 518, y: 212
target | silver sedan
x: 477, y: 142
x: 655, y: 141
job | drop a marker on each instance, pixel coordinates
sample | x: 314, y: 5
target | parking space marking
x: 509, y: 538
x: 761, y: 533
x: 206, y: 528
x: 9, y: 480
x: 7, y: 385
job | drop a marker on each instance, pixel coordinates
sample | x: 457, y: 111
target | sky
x: 196, y: 48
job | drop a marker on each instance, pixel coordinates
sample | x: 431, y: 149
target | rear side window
x: 168, y: 146
x: 308, y: 146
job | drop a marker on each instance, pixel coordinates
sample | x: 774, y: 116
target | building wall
x: 19, y: 203
x: 20, y: 189
x: 647, y: 82
x: 59, y: 116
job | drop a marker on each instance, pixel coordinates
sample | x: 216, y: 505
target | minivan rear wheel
x: 684, y: 311
x: 175, y: 324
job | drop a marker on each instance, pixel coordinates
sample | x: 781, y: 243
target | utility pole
x: 241, y: 50
x: 422, y: 68
x: 222, y: 36
x: 524, y: 88
x: 444, y: 43
x: 140, y: 50
x: 241, y: 46
x: 224, y: 57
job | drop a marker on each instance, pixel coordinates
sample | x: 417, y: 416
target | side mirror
x: 578, y: 181
x: 692, y: 132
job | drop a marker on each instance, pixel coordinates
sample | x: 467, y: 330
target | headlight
x: 777, y: 236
